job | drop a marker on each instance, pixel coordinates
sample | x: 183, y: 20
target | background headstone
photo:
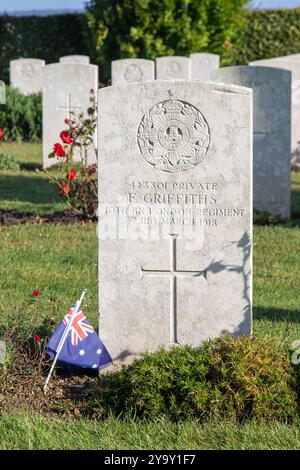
x: 75, y: 59
x: 25, y: 75
x: 294, y: 67
x: 66, y: 88
x: 271, y: 133
x: 173, y: 67
x: 202, y: 64
x: 174, y: 215
x: 2, y: 93
x: 132, y: 70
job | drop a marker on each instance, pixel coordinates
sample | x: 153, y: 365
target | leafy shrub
x: 236, y: 379
x: 78, y: 189
x: 7, y: 162
x: 21, y: 117
x: 152, y: 28
x: 268, y: 33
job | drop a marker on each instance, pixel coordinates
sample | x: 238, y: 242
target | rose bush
x: 79, y: 185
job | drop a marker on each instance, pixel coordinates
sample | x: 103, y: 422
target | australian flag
x: 82, y: 347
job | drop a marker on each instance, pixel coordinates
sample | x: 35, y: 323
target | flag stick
x: 63, y: 338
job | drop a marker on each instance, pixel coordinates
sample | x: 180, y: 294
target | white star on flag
x: 82, y: 352
x: 99, y: 351
x: 94, y: 366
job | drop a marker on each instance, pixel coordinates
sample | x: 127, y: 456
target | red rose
x: 67, y: 121
x: 36, y: 293
x: 37, y: 338
x: 66, y: 138
x: 71, y: 174
x: 59, y: 150
x: 66, y: 188
x: 1, y: 133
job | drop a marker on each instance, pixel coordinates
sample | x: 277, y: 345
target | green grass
x: 27, y: 190
x: 38, y: 433
x: 60, y: 259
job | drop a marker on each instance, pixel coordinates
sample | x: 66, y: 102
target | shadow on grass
x: 276, y: 314
x: 296, y: 202
x: 30, y: 166
x: 34, y: 189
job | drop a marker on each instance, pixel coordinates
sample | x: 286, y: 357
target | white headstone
x: 2, y: 93
x: 25, y: 75
x: 202, y: 64
x: 66, y: 89
x: 174, y: 215
x: 294, y: 67
x: 271, y: 133
x: 132, y: 70
x: 173, y: 68
x: 75, y: 59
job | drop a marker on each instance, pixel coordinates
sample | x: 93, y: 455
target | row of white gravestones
x: 26, y: 74
x: 198, y: 66
x: 66, y: 89
x: 271, y: 133
x: 175, y: 213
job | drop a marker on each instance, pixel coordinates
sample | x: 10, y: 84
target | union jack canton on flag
x: 82, y: 347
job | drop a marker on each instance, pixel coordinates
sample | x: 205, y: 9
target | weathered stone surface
x: 294, y: 68
x: 132, y: 70
x: 271, y: 133
x: 66, y: 89
x: 25, y: 75
x: 75, y: 59
x: 175, y: 211
x: 173, y: 67
x: 202, y: 64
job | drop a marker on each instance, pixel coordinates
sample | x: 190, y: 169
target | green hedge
x: 269, y: 33
x: 48, y: 38
x: 21, y: 116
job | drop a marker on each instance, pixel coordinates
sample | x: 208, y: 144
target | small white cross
x: 68, y: 106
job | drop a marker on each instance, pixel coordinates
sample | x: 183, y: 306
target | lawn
x: 57, y: 259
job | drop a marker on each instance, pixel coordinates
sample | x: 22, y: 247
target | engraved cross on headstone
x: 173, y: 273
x: 68, y: 106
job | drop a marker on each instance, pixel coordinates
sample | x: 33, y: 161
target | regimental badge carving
x: 28, y: 70
x: 173, y: 136
x: 133, y: 73
x: 204, y: 63
x: 173, y: 69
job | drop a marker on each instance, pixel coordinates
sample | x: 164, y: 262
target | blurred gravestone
x: 66, y: 89
x: 25, y: 75
x: 202, y: 65
x: 2, y: 93
x: 271, y: 133
x: 75, y: 59
x: 173, y: 67
x: 132, y: 70
x: 294, y: 67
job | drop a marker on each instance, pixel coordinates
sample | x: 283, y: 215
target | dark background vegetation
x: 111, y: 30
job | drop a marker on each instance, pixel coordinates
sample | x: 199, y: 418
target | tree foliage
x: 152, y: 28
